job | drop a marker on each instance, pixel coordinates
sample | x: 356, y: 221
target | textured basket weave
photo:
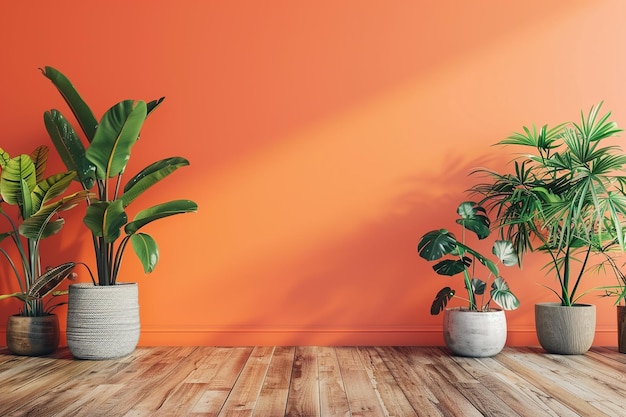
x: 102, y: 321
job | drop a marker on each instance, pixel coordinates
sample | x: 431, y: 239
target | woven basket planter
x: 102, y: 321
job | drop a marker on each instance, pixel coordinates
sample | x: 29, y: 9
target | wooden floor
x: 315, y: 381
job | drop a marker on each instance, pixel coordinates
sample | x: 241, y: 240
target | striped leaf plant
x: 38, y: 201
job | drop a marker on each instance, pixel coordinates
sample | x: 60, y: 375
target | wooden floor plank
x: 303, y: 400
x: 412, y: 384
x: 441, y: 379
x: 273, y: 397
x: 392, y: 399
x: 314, y: 381
x: 245, y: 393
x: 220, y: 371
x: 333, y: 399
x: 523, y: 363
x: 362, y: 396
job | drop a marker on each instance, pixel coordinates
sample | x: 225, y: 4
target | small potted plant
x: 34, y: 330
x: 103, y: 318
x: 565, y: 199
x: 478, y: 329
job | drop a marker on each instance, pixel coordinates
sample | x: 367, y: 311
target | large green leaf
x: 504, y: 251
x: 502, y: 295
x: 39, y: 225
x: 18, y: 178
x: 158, y: 212
x: 70, y: 147
x: 115, y: 136
x: 478, y: 286
x: 4, y: 158
x: 151, y: 105
x: 435, y: 244
x: 146, y: 249
x: 474, y: 218
x: 105, y: 219
x: 450, y: 267
x: 149, y: 176
x: 81, y: 110
x: 51, y: 187
x: 441, y: 300
x: 49, y: 280
x: 40, y: 158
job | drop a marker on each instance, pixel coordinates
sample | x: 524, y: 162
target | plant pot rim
x: 556, y: 305
x: 91, y: 285
x: 467, y: 310
x: 33, y: 317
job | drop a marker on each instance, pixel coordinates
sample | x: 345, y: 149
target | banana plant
x: 100, y: 158
x: 39, y: 200
x: 457, y: 257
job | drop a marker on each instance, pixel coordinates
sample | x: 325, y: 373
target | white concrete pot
x: 476, y: 334
x: 565, y: 330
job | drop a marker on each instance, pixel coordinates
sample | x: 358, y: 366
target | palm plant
x: 564, y: 198
x: 22, y: 184
x: 437, y: 244
x: 101, y: 165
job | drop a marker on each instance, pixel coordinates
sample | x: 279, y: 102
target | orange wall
x: 324, y: 137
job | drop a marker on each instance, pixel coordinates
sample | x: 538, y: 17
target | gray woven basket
x: 102, y: 321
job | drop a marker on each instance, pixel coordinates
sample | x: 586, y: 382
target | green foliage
x: 564, y: 197
x: 39, y: 201
x: 461, y: 258
x: 100, y: 164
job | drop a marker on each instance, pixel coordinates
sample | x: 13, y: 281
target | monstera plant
x: 479, y: 329
x: 461, y: 259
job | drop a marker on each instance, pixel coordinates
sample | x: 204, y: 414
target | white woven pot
x: 102, y: 321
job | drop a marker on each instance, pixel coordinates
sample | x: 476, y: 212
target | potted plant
x: 565, y: 199
x: 479, y: 329
x: 111, y: 306
x: 34, y: 330
x: 618, y: 290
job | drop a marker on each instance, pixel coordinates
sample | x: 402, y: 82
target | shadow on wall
x: 366, y: 282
